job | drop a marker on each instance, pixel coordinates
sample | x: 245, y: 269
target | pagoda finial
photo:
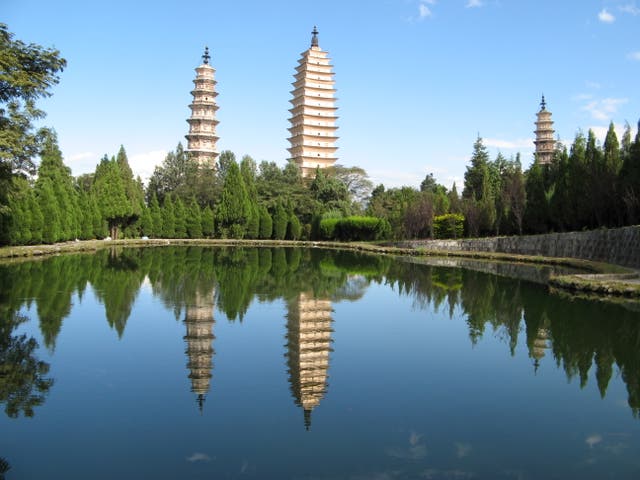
x: 206, y: 57
x: 314, y: 38
x: 543, y: 104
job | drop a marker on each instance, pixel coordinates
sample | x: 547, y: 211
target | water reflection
x: 308, y: 346
x: 192, y: 282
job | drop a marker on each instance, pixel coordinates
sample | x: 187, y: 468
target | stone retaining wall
x: 620, y: 246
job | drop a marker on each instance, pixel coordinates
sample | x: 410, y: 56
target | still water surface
x: 186, y: 362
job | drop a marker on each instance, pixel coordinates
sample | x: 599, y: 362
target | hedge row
x: 354, y: 229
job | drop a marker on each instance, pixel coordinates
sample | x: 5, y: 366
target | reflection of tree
x: 23, y: 384
x: 117, y: 283
x: 308, y: 347
x: 4, y: 467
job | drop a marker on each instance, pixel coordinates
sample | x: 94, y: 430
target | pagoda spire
x: 206, y: 57
x: 314, y: 38
x: 543, y: 104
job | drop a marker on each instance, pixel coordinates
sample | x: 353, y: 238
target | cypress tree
x: 194, y: 219
x: 180, y: 214
x: 294, y: 228
x: 168, y: 218
x: 156, y: 217
x: 207, y: 222
x: 266, y: 223
x: 475, y: 178
x: 49, y: 209
x: 280, y: 221
x: 109, y: 190
x: 37, y: 219
x: 234, y: 207
x: 146, y: 222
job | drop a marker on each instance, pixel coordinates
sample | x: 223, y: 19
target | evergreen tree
x: 266, y: 223
x: 294, y: 229
x: 207, y: 222
x: 612, y: 164
x: 536, y: 214
x: 630, y: 181
x: 109, y: 190
x: 49, y: 208
x: 280, y: 221
x: 86, y: 221
x: 194, y: 219
x: 475, y: 178
x: 234, y: 207
x: 37, y: 218
x: 180, y: 215
x: 156, y: 217
x: 168, y: 218
x: 146, y: 222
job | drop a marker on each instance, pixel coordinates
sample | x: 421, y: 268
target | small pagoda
x: 313, y: 115
x: 545, y: 143
x: 201, y: 140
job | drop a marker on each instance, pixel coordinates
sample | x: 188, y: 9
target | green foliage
x: 294, y: 228
x: 194, y: 220
x: 49, y: 208
x: 280, y: 221
x: 180, y: 215
x: 156, y: 217
x: 449, y: 225
x: 266, y: 223
x: 354, y: 229
x: 146, y: 222
x: 168, y: 218
x: 207, y: 222
x: 27, y: 73
x: 109, y: 191
x: 234, y: 207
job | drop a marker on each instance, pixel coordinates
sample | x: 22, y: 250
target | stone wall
x: 620, y: 246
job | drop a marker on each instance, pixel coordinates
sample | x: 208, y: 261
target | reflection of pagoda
x: 309, y: 343
x: 199, y: 322
x: 539, y: 347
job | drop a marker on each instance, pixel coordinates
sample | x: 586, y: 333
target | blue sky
x: 417, y: 80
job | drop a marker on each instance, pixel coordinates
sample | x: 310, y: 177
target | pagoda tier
x: 202, y: 138
x: 544, y: 142
x: 309, y: 329
x: 313, y: 113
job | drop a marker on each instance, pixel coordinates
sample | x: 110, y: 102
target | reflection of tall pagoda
x: 199, y: 322
x: 202, y: 138
x: 539, y: 346
x: 313, y: 115
x: 308, y: 346
x: 545, y: 144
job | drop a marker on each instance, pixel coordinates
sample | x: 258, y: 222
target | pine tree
x: 536, y: 214
x: 146, y: 222
x: 109, y: 190
x: 475, y: 178
x: 294, y: 229
x: 612, y: 164
x: 37, y: 218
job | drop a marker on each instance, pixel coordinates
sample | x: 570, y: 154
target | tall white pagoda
x: 313, y: 115
x: 201, y: 140
x: 545, y: 143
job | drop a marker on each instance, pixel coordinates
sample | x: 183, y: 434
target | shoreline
x: 598, y: 278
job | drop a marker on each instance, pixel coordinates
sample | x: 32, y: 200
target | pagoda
x: 308, y: 346
x: 313, y: 115
x: 201, y: 140
x: 545, y: 143
x: 199, y: 322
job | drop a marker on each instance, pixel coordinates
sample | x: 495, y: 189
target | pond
x: 193, y: 362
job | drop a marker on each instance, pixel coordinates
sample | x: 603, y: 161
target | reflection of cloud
x: 616, y: 448
x: 416, y: 450
x: 593, y: 440
x: 199, y: 457
x: 462, y: 450
x: 456, y: 474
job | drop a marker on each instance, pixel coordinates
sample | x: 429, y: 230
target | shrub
x: 354, y: 229
x: 450, y: 225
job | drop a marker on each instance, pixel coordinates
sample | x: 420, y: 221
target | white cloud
x: 604, y: 109
x: 424, y: 11
x: 143, y: 164
x: 630, y: 8
x: 199, y: 457
x: 605, y: 16
x: 594, y: 85
x: 601, y: 131
x: 634, y: 56
x: 526, y: 143
x: 474, y: 4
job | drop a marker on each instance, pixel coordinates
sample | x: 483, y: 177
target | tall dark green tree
x: 234, y: 207
x: 194, y: 219
x: 109, y: 191
x: 168, y: 218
